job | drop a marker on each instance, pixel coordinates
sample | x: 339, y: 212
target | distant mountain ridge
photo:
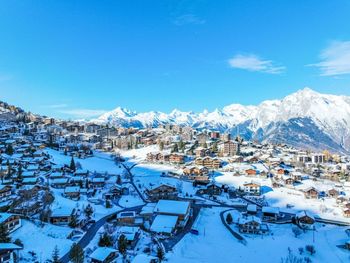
x: 305, y: 118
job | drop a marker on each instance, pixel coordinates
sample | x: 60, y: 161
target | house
x: 5, y: 193
x: 250, y: 172
x: 9, y: 252
x: 72, y: 192
x: 208, y: 162
x: 126, y: 218
x: 164, y: 224
x: 333, y: 193
x: 180, y: 209
x: 251, y: 209
x: 311, y: 192
x: 10, y: 221
x: 131, y: 233
x: 61, y: 216
x: 270, y: 213
x: 177, y: 158
x: 229, y: 148
x: 59, y: 182
x: 147, y: 211
x: 97, y: 182
x: 211, y: 189
x: 305, y: 220
x: 252, y: 225
x: 252, y: 188
x: 346, y: 212
x: 163, y: 191
x: 103, y: 255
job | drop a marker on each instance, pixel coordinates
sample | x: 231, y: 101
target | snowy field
x: 281, y: 197
x: 100, y: 162
x: 42, y: 240
x: 215, y: 244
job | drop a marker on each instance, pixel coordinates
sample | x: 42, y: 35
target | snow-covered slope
x: 301, y: 111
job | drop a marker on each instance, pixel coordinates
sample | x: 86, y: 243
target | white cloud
x: 82, y: 113
x: 252, y: 62
x: 188, y: 19
x: 335, y: 59
x: 57, y: 106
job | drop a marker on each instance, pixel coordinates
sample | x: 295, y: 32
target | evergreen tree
x: 175, y: 148
x: 4, y: 234
x: 20, y: 172
x: 119, y: 179
x: 76, y: 254
x: 56, y: 255
x: 72, y: 164
x: 88, y: 211
x: 161, y: 146
x: 108, y: 204
x: 73, y: 223
x: 105, y: 240
x: 160, y: 254
x: 229, y: 219
x: 9, y: 149
x: 122, y: 244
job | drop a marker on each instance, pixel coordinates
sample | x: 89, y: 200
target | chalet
x: 162, y: 191
x: 305, y: 220
x: 30, y: 181
x: 10, y: 221
x: 288, y: 180
x: 180, y: 209
x: 252, y: 225
x: 114, y: 192
x: 346, y: 212
x: 270, y: 213
x: 333, y: 193
x: 211, y: 189
x: 59, y: 182
x: 126, y: 218
x: 177, y: 158
x: 103, y: 255
x: 61, y: 216
x: 250, y: 172
x: 252, y: 188
x: 251, y: 209
x: 164, y: 224
x: 5, y: 193
x: 97, y: 182
x: 147, y: 211
x: 311, y: 192
x: 209, y: 162
x: 72, y: 192
x: 9, y: 252
x: 195, y: 171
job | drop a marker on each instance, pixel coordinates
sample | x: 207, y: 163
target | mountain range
x: 304, y: 119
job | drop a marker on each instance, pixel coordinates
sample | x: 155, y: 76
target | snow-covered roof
x: 270, y: 210
x: 101, y: 253
x: 4, y: 217
x: 9, y: 246
x: 172, y: 207
x: 164, y: 224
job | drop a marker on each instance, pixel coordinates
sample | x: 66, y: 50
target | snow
x: 215, y: 244
x: 164, y: 224
x: 172, y: 207
x: 100, y: 162
x: 42, y: 239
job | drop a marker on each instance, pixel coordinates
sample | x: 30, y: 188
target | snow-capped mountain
x: 305, y: 118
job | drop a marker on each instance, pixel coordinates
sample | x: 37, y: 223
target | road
x: 91, y: 232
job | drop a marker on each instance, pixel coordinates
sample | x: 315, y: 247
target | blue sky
x: 77, y: 59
